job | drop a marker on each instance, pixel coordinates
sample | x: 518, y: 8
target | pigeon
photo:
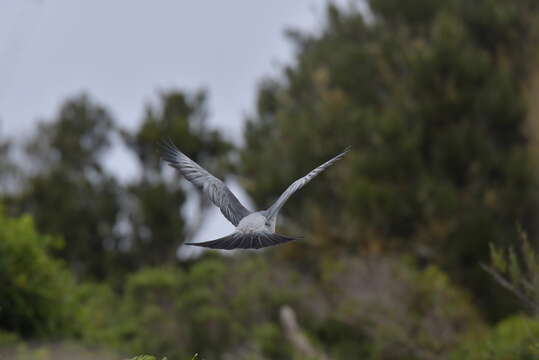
x: 254, y: 230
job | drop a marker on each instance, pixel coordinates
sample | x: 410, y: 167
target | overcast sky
x: 122, y: 52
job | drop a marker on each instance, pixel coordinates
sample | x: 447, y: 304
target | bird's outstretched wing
x: 215, y: 189
x: 245, y: 241
x: 298, y: 184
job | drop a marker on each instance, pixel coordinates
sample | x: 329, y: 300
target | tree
x: 112, y: 228
x: 431, y: 96
x: 9, y: 171
x: 158, y: 227
x: 35, y: 290
x: 68, y: 192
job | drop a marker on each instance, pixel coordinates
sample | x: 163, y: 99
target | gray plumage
x: 254, y: 230
x: 215, y: 189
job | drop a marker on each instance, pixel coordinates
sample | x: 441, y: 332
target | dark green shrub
x: 218, y: 306
x: 386, y: 308
x: 516, y: 338
x: 36, y: 291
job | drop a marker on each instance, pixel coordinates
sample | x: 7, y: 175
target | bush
x: 371, y: 308
x: 515, y: 338
x: 387, y: 308
x: 98, y: 319
x: 8, y: 338
x: 35, y: 289
x: 517, y: 270
x: 218, y: 307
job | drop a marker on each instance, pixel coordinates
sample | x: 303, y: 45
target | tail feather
x: 245, y: 241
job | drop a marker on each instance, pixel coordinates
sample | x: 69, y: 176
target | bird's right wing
x: 298, y: 184
x: 215, y: 189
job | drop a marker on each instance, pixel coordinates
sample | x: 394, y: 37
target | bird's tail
x: 245, y: 241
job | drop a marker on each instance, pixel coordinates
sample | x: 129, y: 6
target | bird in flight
x: 254, y: 230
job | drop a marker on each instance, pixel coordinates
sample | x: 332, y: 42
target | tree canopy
x: 432, y: 98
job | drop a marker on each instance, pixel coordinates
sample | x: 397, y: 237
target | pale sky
x: 122, y: 52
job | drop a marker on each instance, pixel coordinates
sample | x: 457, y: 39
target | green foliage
x: 8, y: 338
x: 55, y: 350
x: 373, y: 308
x: 9, y: 171
x: 431, y: 96
x: 69, y: 194
x: 517, y: 270
x: 515, y: 338
x: 393, y: 311
x: 35, y: 290
x: 215, y: 306
x: 97, y: 321
x: 147, y: 357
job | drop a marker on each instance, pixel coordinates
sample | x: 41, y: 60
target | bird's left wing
x: 215, y: 189
x: 298, y: 184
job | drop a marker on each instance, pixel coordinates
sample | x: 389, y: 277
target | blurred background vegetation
x: 439, y: 100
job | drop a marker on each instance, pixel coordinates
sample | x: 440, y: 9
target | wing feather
x: 218, y: 193
x: 301, y: 182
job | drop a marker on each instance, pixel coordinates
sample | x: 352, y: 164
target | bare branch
x: 506, y: 284
x: 296, y: 336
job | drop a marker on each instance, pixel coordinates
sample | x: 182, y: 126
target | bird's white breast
x: 253, y: 223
